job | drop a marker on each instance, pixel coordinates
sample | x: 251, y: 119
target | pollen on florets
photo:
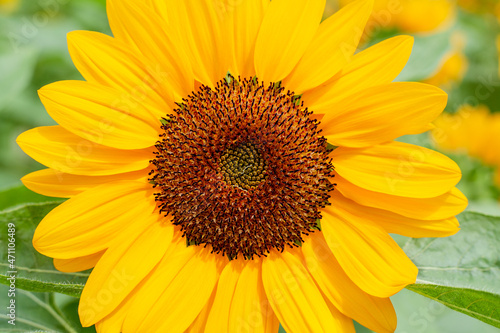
x: 242, y: 168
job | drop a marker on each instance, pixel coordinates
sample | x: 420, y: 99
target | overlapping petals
x: 65, y: 152
x: 113, y: 278
x: 71, y: 229
x: 180, y: 286
x: 331, y: 48
x: 283, y: 39
x: 144, y: 32
x: 241, y: 303
x: 375, y: 115
x: 398, y: 169
x: 100, y: 114
x: 104, y: 60
x: 375, y: 313
x: 377, y: 65
x: 296, y: 299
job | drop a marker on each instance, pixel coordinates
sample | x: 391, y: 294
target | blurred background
x: 456, y: 48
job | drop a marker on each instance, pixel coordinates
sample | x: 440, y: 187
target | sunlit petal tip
x: 37, y: 237
x: 74, y: 37
x: 366, y: 252
x: 404, y: 41
x: 77, y: 264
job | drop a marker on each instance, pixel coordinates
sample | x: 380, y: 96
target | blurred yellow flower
x: 472, y: 130
x: 7, y: 6
x: 409, y: 15
x: 454, y: 65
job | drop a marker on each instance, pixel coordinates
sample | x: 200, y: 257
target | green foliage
x: 17, y: 70
x: 481, y: 82
x: 35, y: 272
x: 478, y: 304
x: 40, y: 312
x: 420, y: 66
x: 33, y: 53
x: 20, y: 195
x: 477, y: 179
x: 462, y: 271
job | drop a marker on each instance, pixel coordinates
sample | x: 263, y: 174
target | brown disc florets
x: 242, y: 168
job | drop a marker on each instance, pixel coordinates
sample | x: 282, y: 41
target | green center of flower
x: 241, y: 168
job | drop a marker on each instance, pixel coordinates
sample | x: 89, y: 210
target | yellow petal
x: 122, y: 267
x: 138, y: 25
x: 107, y: 61
x: 77, y: 264
x: 287, y: 30
x: 372, y: 312
x: 368, y: 255
x: 61, y: 150
x: 398, y: 169
x: 441, y: 207
x: 248, y: 16
x: 100, y: 114
x: 294, y: 296
x: 199, y: 324
x: 54, y: 183
x: 218, y: 319
x: 379, y: 64
x: 383, y: 113
x: 250, y: 308
x: 114, y: 321
x: 176, y: 292
x: 398, y: 224
x: 241, y: 304
x: 332, y: 47
x: 204, y: 28
x: 90, y: 221
x: 344, y: 323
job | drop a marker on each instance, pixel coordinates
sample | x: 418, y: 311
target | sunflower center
x: 241, y: 168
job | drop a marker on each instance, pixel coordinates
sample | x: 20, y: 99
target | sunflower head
x: 242, y: 168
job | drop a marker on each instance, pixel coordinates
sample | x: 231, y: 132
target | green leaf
x: 20, y: 195
x: 35, y: 272
x: 69, y: 306
x: 462, y: 271
x: 38, y: 312
x: 478, y: 304
x: 488, y: 207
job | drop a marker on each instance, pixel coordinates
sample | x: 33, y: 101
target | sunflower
x: 231, y: 166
